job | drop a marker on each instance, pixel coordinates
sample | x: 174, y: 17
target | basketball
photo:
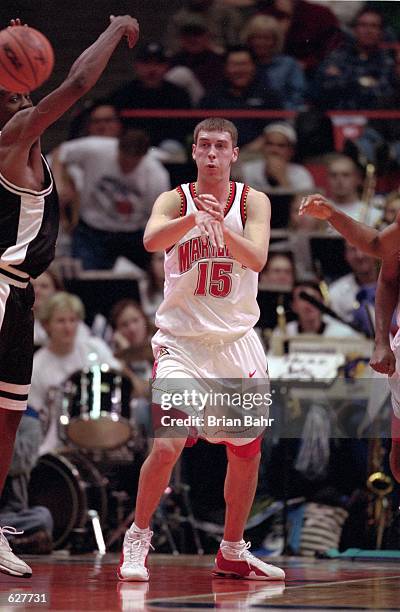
x: 26, y: 59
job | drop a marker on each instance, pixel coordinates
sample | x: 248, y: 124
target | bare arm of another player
x: 251, y: 249
x: 165, y: 227
x: 387, y: 294
x: 364, y: 237
x: 28, y: 124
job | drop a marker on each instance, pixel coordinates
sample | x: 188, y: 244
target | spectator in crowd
x: 100, y: 118
x: 131, y: 338
x: 310, y: 320
x: 278, y: 272
x: 241, y: 89
x: 45, y: 286
x: 121, y: 182
x: 132, y: 346
x: 264, y: 36
x: 97, y: 118
x: 150, y: 89
x: 35, y: 521
x: 195, y: 51
x: 359, y: 74
x: 344, y: 183
x: 311, y: 30
x: 222, y: 21
x: 151, y: 287
x: 275, y: 171
x: 65, y: 352
x: 349, y: 291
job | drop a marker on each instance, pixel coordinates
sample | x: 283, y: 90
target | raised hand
x: 16, y: 22
x: 210, y: 229
x: 209, y: 203
x: 383, y: 360
x: 131, y: 28
x: 316, y: 206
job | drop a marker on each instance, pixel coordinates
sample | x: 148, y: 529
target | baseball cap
x: 282, y: 128
x: 152, y: 51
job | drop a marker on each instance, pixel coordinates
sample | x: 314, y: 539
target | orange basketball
x: 26, y: 59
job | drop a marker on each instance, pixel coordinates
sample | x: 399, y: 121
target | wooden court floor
x: 88, y: 582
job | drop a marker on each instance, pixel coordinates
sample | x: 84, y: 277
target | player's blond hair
x: 216, y: 124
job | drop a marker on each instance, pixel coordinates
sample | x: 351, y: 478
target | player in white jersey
x: 215, y: 234
x: 385, y: 245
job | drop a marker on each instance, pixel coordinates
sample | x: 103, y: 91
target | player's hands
x: 210, y: 229
x: 316, y: 206
x: 383, y: 360
x: 17, y: 22
x: 131, y: 28
x: 209, y: 203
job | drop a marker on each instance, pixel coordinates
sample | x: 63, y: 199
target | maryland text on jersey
x: 193, y: 250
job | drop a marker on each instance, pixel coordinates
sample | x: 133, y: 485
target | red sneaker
x: 240, y: 563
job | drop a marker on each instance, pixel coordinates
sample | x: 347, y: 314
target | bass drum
x: 96, y: 411
x: 69, y: 485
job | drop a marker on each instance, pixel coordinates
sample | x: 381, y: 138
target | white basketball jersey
x: 207, y: 294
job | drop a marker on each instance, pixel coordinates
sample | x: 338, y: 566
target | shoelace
x: 136, y: 547
x: 10, y: 531
x: 245, y: 553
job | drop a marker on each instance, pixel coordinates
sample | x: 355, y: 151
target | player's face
x: 132, y: 325
x: 62, y: 327
x: 214, y: 153
x: 11, y: 103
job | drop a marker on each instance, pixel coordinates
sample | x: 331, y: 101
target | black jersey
x: 28, y: 225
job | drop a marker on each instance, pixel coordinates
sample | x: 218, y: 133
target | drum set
x: 89, y: 483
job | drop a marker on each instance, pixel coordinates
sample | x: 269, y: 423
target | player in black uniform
x: 28, y: 232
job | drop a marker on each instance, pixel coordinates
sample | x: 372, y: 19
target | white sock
x: 232, y: 544
x: 231, y: 550
x: 137, y: 529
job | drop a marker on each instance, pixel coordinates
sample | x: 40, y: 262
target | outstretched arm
x: 366, y: 238
x: 27, y: 125
x: 387, y: 294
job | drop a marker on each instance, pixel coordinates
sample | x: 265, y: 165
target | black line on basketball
x: 26, y: 55
x: 10, y: 73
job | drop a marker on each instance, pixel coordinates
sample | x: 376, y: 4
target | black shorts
x: 16, y: 345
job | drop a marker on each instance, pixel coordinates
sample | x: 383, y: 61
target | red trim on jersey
x: 231, y: 197
x: 192, y: 189
x: 243, y: 204
x: 182, y: 210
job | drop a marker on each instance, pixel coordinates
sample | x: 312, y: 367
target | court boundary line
x: 266, y: 582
